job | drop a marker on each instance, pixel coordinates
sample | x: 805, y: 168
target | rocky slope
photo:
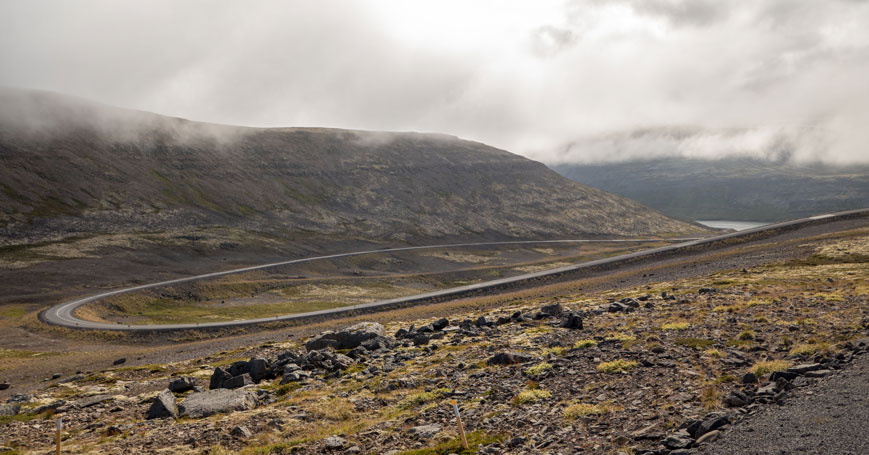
x: 663, y: 368
x: 72, y: 166
x: 729, y: 189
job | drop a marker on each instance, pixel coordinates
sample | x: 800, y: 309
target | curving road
x: 64, y: 313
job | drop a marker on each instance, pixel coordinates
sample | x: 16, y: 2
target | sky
x: 557, y: 81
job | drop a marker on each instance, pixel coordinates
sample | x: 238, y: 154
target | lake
x: 738, y: 225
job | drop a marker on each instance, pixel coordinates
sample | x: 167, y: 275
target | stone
x: 572, y: 321
x: 53, y: 407
x: 482, y: 322
x: 347, y: 338
x: 708, y: 290
x: 258, y: 368
x: 401, y: 333
x: 19, y: 398
x: 508, y: 358
x: 649, y: 432
x: 749, y: 378
x: 218, y: 378
x: 164, y: 405
x: 711, y: 423
x: 56, y: 376
x: 425, y: 431
x: 420, y: 339
x: 334, y: 443
x: 7, y: 410
x: 553, y: 310
x: 627, y: 301
x: 120, y: 361
x: 517, y: 442
x: 183, y: 384
x: 709, y: 437
x: 92, y: 401
x: 238, y: 368
x: 238, y: 381
x: 241, y: 432
x: 4, y: 385
x: 737, y: 399
x: 440, y: 324
x: 353, y: 450
x: 818, y: 373
x: 679, y: 440
x: 805, y: 368
x: 203, y: 404
x: 786, y: 375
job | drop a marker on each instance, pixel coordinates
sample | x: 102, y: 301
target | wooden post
x: 57, y: 437
x: 461, y: 428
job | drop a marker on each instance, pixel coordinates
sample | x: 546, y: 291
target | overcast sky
x: 532, y: 77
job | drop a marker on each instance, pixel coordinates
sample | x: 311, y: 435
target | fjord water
x: 737, y: 225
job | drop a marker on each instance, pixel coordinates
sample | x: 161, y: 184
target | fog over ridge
x: 557, y: 81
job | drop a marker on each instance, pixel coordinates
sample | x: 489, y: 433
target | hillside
x: 71, y: 166
x: 729, y: 189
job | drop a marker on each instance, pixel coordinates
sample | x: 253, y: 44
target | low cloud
x: 545, y: 79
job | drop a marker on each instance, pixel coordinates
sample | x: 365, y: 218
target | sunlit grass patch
x: 531, y: 395
x: 676, y: 325
x: 575, y: 410
x: 584, y: 344
x: 696, y: 343
x: 813, y: 348
x: 538, y: 369
x: 714, y: 353
x: 421, y: 398
x: 616, y: 366
x: 766, y: 367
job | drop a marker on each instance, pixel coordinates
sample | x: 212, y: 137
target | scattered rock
x: 708, y: 290
x: 818, y: 373
x: 179, y: 385
x: 53, y: 407
x: 347, y: 338
x: 508, y: 358
x: 203, y: 404
x: 679, y: 440
x: 164, y: 405
x: 218, y: 378
x: 805, y: 368
x: 709, y: 437
x: 334, y: 443
x: 749, y: 378
x: 237, y: 381
x: 259, y: 369
x: 440, y: 324
x: 711, y: 423
x: 56, y: 376
x: 786, y: 375
x: 7, y: 410
x: 120, y: 361
x: 241, y: 432
x: 553, y: 310
x: 737, y: 399
x: 425, y: 431
x: 572, y: 321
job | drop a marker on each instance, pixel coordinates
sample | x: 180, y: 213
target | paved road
x: 63, y: 314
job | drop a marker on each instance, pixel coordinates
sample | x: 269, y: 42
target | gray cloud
x: 536, y: 78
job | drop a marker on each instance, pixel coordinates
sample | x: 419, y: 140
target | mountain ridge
x: 72, y: 166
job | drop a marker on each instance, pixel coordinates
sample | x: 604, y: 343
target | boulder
x: 708, y: 290
x: 164, y: 405
x: 4, y: 385
x: 236, y: 382
x: 120, y: 361
x: 241, y: 432
x: 334, y: 443
x: 347, y: 338
x: 179, y: 385
x: 420, y: 339
x: 218, y: 378
x: 7, y: 410
x: 482, y: 322
x: 440, y: 324
x: 258, y: 368
x: 553, y: 310
x: 238, y: 368
x: 805, y: 368
x: 210, y: 402
x: 737, y: 399
x: 679, y: 440
x: 572, y: 321
x: 508, y: 358
x: 425, y: 431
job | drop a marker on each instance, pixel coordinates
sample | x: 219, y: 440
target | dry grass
x: 766, y: 367
x: 616, y: 366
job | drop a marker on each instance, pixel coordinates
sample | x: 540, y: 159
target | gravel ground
x: 829, y: 418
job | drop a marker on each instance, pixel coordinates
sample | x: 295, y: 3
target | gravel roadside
x: 829, y: 417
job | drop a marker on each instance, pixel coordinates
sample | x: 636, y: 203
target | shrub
x: 584, y: 344
x: 531, y: 395
x: 538, y: 369
x: 766, y: 367
x: 678, y: 325
x: 584, y: 410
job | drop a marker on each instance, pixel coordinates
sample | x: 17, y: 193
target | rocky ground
x: 667, y: 366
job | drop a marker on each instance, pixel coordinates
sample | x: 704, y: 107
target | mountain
x: 738, y: 189
x: 71, y: 166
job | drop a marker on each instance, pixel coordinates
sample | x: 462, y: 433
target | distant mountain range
x: 738, y: 189
x: 71, y: 166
